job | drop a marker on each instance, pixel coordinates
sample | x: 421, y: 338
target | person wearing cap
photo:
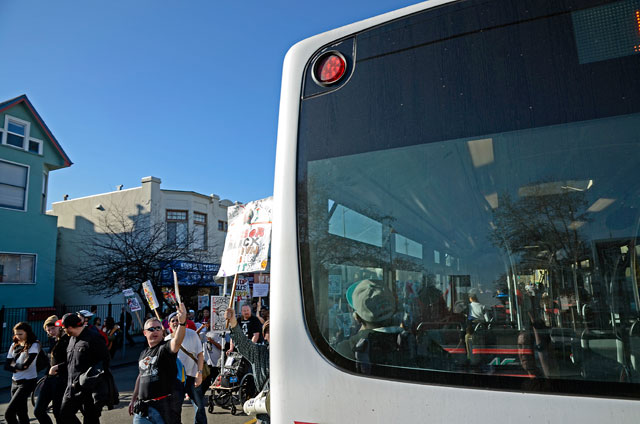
x: 86, y: 317
x: 374, y: 307
x: 87, y: 351
x: 192, y: 357
x: 151, y: 399
x: 54, y: 385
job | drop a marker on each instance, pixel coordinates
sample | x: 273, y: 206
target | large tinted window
x: 479, y: 173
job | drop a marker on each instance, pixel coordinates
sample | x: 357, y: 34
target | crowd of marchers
x: 78, y: 380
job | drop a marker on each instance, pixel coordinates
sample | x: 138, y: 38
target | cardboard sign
x: 260, y: 290
x: 169, y: 297
x: 132, y: 300
x: 203, y: 302
x: 246, y: 246
x: 219, y: 305
x: 150, y: 294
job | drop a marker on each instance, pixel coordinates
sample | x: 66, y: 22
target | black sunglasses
x: 152, y: 329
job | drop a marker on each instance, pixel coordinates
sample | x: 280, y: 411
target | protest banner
x: 150, y: 294
x: 246, y: 246
x: 218, y: 307
x: 260, y: 290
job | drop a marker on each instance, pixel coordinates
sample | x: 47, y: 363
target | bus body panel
x: 305, y: 386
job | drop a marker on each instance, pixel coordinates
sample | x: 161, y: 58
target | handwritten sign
x: 246, y: 246
x: 260, y: 290
x: 132, y: 300
x: 150, y: 294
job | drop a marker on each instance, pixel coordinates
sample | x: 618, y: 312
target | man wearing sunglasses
x: 151, y: 400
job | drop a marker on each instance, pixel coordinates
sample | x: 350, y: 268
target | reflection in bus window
x: 459, y: 196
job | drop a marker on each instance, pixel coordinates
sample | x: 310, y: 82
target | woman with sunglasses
x: 21, y: 361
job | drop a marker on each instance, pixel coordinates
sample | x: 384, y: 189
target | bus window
x: 479, y: 174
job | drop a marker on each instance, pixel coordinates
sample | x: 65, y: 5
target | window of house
x: 177, y: 228
x: 200, y: 231
x: 35, y: 146
x: 15, y: 268
x: 222, y: 225
x: 13, y: 185
x: 16, y: 133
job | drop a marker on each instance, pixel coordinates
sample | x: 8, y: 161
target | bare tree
x: 123, y: 250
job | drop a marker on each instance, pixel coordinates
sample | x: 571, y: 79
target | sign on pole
x: 219, y: 305
x: 260, y: 290
x: 150, y: 294
x: 246, y: 247
x: 132, y: 300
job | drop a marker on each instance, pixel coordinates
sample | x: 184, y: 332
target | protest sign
x: 132, y: 301
x: 169, y: 297
x: 246, y: 246
x: 203, y: 302
x: 219, y: 305
x: 150, y: 294
x: 176, y: 286
x: 260, y: 290
x: 242, y: 290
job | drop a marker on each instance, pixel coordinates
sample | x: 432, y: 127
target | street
x: 125, y: 377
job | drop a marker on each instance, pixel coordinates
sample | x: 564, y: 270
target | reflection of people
x: 477, y: 311
x: 374, y: 307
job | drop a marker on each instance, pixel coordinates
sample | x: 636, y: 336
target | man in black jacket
x: 86, y: 354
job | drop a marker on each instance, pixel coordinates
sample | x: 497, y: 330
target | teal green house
x: 28, y: 236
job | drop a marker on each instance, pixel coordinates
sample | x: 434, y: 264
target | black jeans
x: 17, y: 412
x: 176, y: 401
x: 71, y: 404
x: 51, y: 392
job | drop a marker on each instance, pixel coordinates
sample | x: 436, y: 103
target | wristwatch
x: 184, y: 324
x: 199, y: 371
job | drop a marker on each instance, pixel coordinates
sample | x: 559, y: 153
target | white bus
x: 449, y: 152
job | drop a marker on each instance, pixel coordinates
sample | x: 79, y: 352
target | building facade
x: 179, y: 216
x: 28, y: 153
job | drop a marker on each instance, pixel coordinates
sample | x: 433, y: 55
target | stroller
x: 233, y: 386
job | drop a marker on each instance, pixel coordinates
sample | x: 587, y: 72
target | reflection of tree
x: 541, y: 230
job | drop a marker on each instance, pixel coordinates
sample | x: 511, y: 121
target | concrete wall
x: 81, y: 219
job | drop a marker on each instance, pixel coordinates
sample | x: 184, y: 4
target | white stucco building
x: 181, y: 214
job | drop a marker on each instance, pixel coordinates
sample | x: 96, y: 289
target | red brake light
x: 329, y: 68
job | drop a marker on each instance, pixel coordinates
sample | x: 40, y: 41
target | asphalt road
x: 125, y: 377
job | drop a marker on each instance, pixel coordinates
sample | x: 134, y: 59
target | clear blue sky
x: 187, y: 91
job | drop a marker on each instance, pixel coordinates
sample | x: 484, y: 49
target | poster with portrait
x: 246, y: 246
x: 219, y: 305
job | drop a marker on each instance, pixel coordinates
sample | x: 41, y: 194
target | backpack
x: 42, y: 360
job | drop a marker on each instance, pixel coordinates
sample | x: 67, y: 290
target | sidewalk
x: 130, y: 356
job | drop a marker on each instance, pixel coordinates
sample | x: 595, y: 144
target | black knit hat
x: 72, y: 320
